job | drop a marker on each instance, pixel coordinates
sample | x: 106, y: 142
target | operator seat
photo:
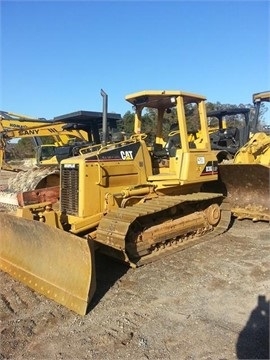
x: 173, y: 143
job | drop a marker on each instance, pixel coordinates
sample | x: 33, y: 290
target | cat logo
x: 126, y: 155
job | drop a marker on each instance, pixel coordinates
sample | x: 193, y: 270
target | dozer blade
x: 247, y: 188
x: 50, y: 261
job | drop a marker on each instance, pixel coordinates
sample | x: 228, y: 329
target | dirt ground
x: 210, y: 301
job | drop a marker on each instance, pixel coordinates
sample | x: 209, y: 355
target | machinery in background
x: 227, y: 139
x: 246, y: 180
x: 20, y: 127
x: 69, y: 132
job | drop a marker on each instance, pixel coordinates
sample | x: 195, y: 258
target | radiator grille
x: 70, y: 189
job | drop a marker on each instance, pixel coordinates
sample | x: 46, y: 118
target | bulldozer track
x: 116, y: 226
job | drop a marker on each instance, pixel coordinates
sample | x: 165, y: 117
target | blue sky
x: 57, y: 55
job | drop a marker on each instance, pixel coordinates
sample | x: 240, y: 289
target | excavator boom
x: 70, y: 133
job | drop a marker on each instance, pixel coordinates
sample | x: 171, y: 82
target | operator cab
x: 178, y: 117
x: 229, y: 130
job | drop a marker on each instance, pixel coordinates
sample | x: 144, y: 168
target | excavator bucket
x: 247, y: 187
x: 50, y: 261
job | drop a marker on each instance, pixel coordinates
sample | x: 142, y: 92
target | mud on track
x: 210, y: 301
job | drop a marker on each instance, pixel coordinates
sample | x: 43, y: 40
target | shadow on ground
x: 108, y: 272
x: 253, y: 340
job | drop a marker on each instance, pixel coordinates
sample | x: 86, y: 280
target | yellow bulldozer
x: 134, y: 200
x: 246, y: 179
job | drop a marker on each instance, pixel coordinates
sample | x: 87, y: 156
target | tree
x: 150, y: 116
x: 25, y: 147
x: 127, y: 124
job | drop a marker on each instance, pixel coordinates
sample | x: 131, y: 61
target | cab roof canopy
x: 161, y: 98
x: 228, y: 112
x: 261, y: 96
x: 88, y: 118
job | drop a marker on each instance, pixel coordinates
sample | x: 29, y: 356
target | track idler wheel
x: 213, y: 214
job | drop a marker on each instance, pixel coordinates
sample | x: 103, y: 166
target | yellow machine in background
x: 229, y: 130
x: 21, y: 127
x: 226, y: 139
x: 69, y: 132
x: 18, y: 126
x: 35, y: 129
x: 247, y: 179
x: 132, y: 200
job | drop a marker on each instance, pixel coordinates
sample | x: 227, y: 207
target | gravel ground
x: 210, y: 301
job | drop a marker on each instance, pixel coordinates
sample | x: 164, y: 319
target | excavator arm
x: 61, y: 135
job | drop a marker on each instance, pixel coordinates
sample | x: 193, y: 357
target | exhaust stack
x: 104, y: 117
